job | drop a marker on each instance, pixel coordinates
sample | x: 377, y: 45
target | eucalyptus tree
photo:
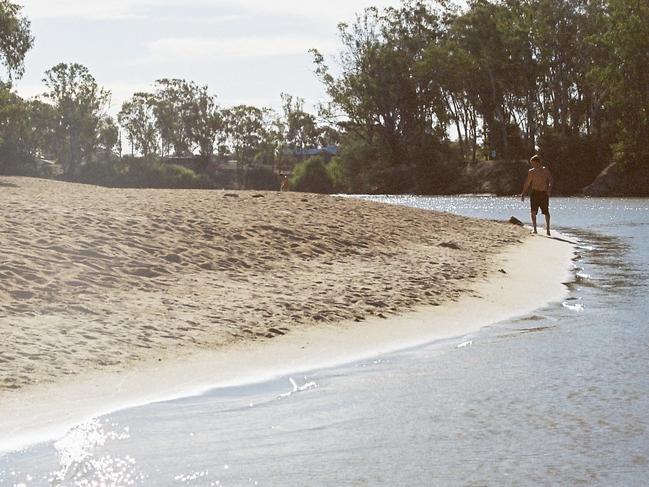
x: 354, y: 91
x: 138, y: 119
x: 203, y: 121
x: 37, y: 135
x: 522, y: 66
x: 107, y: 136
x: 386, y: 92
x: 300, y: 129
x: 558, y: 29
x: 246, y: 127
x: 172, y: 97
x: 15, y: 38
x: 25, y: 128
x: 294, y: 129
x: 460, y: 93
x: 624, y: 76
x: 493, y: 54
x: 187, y: 116
x: 79, y: 105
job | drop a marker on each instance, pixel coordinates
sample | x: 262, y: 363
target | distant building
x: 326, y: 152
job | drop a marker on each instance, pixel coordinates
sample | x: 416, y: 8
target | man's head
x: 535, y: 161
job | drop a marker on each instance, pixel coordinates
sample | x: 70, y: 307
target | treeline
x: 176, y: 135
x: 503, y: 79
x: 419, y: 93
x: 178, y: 121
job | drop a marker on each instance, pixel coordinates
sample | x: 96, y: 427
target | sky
x: 246, y: 51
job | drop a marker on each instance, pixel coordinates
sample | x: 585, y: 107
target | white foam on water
x: 574, y: 307
x: 305, y: 387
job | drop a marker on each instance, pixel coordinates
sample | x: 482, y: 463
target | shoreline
x: 104, y: 279
x: 40, y: 413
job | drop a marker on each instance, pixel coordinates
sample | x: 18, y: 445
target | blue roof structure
x: 316, y: 151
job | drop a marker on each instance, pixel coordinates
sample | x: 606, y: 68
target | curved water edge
x: 47, y: 413
x: 557, y: 396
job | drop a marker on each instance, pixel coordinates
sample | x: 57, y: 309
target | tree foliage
x: 187, y: 117
x: 299, y: 129
x: 15, y: 38
x: 138, y: 120
x: 622, y: 79
x: 312, y: 176
x: 505, y: 78
x: 24, y: 128
x: 419, y: 91
x: 246, y: 128
x: 79, y: 104
x: 390, y: 97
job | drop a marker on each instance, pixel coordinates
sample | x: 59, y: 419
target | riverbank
x: 119, y: 297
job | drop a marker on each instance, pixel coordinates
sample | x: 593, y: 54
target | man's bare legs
x: 547, y: 223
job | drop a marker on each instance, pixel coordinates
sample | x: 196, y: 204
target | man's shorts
x: 539, y: 199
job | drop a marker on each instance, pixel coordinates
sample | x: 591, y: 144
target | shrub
x: 310, y: 176
x: 261, y: 178
x: 358, y: 167
x: 103, y: 172
x: 22, y: 166
x: 336, y: 171
x: 152, y: 173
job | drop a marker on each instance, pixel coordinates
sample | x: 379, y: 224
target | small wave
x: 588, y: 248
x: 378, y: 361
x: 305, y: 387
x: 573, y: 306
x: 465, y: 344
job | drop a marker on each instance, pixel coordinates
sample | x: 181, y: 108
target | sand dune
x: 99, y: 279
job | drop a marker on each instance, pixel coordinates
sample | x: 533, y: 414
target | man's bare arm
x: 526, y: 186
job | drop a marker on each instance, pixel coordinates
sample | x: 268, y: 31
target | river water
x: 556, y: 397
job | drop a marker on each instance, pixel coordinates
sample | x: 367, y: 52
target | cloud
x: 118, y: 9
x: 123, y: 90
x: 190, y: 49
x: 80, y: 9
x: 332, y: 11
x: 206, y: 19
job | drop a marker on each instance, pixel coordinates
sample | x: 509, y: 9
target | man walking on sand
x: 540, y: 181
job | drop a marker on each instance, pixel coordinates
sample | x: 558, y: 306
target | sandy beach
x: 96, y: 278
x: 97, y: 283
